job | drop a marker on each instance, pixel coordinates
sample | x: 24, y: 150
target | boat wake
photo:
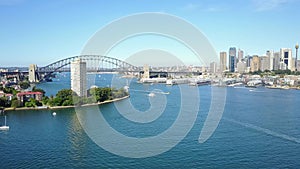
x: 239, y: 87
x: 264, y: 130
x: 146, y: 91
x: 256, y: 91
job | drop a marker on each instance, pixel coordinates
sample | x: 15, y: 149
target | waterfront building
x: 248, y: 60
x: 240, y: 55
x: 25, y: 96
x: 223, y: 61
x: 264, y: 63
x: 3, y: 70
x: 9, y: 96
x: 282, y: 66
x: 213, y: 67
x: 277, y: 59
x: 232, y: 59
x: 241, y: 67
x: 255, y: 63
x: 293, y: 64
x: 78, y: 77
x: 296, y: 60
x: 33, y: 76
x: 286, y: 57
x: 270, y: 55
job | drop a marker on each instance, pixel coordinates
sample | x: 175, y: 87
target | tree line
x: 65, y: 97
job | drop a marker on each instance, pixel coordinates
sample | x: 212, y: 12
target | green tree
x: 3, y: 102
x: 34, y: 89
x: 32, y: 103
x: 24, y: 84
x: 45, y: 100
x: 10, y: 90
x: 15, y: 103
x: 67, y: 103
x: 63, y: 97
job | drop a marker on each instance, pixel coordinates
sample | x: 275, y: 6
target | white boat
x: 54, y: 114
x: 151, y: 94
x: 5, y: 127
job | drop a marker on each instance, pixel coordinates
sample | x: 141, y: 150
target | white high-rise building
x: 213, y: 67
x: 286, y: 57
x: 293, y: 64
x: 242, y: 67
x: 78, y: 77
x: 270, y: 55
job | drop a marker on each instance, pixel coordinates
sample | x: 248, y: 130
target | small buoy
x: 54, y: 114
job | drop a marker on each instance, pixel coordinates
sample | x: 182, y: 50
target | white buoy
x: 54, y: 113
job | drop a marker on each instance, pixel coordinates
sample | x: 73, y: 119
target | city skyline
x: 54, y: 30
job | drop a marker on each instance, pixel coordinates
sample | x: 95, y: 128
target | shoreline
x: 65, y: 107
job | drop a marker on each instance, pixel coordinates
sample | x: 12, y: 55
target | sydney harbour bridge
x: 95, y: 63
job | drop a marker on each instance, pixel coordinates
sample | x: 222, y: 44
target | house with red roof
x: 25, y: 96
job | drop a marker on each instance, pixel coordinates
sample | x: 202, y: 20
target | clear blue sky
x: 41, y: 32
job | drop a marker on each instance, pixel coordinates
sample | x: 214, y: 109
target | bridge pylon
x: 33, y: 74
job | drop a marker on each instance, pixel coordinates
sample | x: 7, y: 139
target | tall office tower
x: 296, y: 60
x: 264, y: 63
x: 213, y: 67
x: 270, y: 55
x: 255, y: 63
x: 240, y: 55
x: 248, y: 60
x: 223, y: 61
x: 78, y: 77
x: 232, y: 59
x: 277, y: 59
x: 286, y: 57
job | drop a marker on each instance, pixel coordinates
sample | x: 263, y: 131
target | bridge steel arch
x: 96, y: 60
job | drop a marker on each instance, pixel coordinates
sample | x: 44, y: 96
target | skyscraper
x: 296, y: 60
x: 270, y: 55
x: 255, y: 63
x: 232, y: 59
x: 240, y: 55
x: 213, y: 67
x: 277, y: 59
x: 78, y: 77
x: 264, y: 63
x: 286, y: 57
x: 223, y: 61
x: 248, y: 60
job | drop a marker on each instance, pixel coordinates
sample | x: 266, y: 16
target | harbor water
x: 259, y: 129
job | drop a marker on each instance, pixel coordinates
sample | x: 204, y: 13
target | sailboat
x: 5, y: 127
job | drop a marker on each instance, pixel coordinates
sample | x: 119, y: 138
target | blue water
x: 259, y: 129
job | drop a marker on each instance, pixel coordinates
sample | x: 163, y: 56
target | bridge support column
x: 146, y: 72
x: 33, y: 75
